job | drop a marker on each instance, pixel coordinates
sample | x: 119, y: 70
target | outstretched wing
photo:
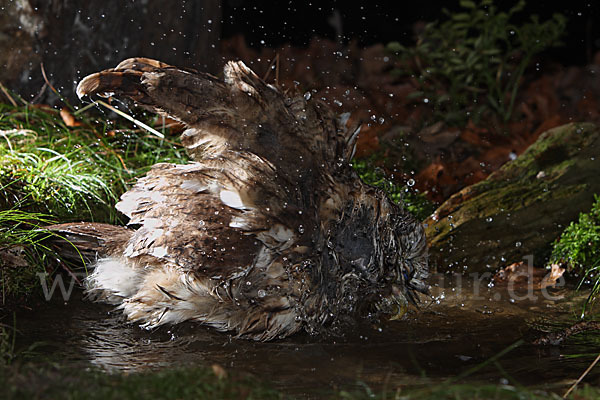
x: 253, y: 205
x: 263, y: 156
x: 240, y: 112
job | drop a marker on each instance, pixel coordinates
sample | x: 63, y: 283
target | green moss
x: 545, y: 149
x: 579, y: 244
x: 579, y: 248
x: 413, y: 201
x: 525, y: 202
x: 198, y: 382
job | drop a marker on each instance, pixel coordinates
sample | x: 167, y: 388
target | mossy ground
x: 74, y: 172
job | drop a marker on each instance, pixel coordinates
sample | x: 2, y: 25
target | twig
x: 277, y: 70
x: 8, y: 96
x: 61, y: 97
x: 40, y: 93
x: 556, y: 338
x: 269, y: 69
x: 109, y: 149
x: 592, y: 365
x: 82, y: 109
x: 130, y: 118
x: 275, y: 61
x: 47, y: 81
x: 70, y: 272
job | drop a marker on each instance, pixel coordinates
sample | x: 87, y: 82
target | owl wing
x: 241, y: 111
x: 203, y: 217
x: 263, y: 162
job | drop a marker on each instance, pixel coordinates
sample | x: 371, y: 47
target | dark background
x: 73, y: 38
x: 369, y: 22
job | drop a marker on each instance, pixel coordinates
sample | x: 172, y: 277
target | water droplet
x: 300, y: 228
x: 410, y: 182
x: 307, y: 96
x: 262, y: 293
x: 518, y: 244
x: 489, y: 219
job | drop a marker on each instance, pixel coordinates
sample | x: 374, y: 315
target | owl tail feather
x: 87, y: 241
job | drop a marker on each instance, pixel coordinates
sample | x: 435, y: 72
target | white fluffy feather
x: 113, y: 279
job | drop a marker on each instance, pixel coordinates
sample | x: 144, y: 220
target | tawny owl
x: 268, y: 231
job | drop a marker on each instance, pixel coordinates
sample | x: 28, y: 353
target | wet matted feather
x: 268, y: 231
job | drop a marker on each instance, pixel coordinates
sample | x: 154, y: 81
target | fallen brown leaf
x: 219, y: 371
x: 520, y: 275
x: 68, y: 118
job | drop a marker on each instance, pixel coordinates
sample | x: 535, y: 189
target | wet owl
x: 266, y: 232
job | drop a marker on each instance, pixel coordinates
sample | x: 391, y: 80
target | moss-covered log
x: 523, y: 207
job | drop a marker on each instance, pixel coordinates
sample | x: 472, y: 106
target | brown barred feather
x: 268, y: 231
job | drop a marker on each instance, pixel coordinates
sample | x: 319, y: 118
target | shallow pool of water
x: 452, y: 332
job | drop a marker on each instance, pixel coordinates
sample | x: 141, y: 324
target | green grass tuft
x: 471, y: 391
x: 23, y: 254
x: 77, y: 172
x: 52, y: 172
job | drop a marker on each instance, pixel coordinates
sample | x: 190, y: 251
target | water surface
x: 452, y: 332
